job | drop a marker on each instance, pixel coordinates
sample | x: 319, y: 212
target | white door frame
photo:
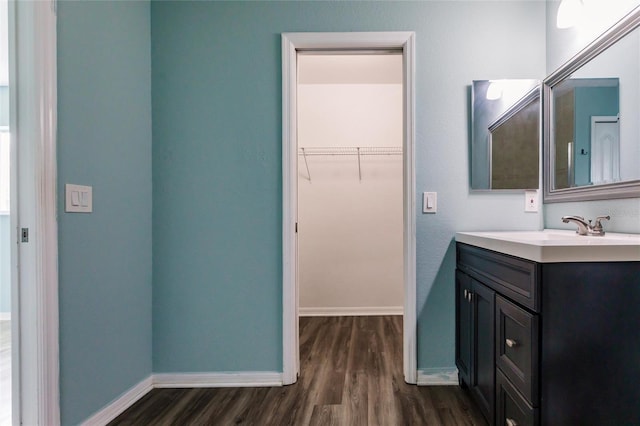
x: 33, y: 120
x: 291, y: 42
x: 615, y: 165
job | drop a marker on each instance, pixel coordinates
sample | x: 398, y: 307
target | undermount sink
x: 553, y: 246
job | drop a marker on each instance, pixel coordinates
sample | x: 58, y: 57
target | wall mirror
x: 505, y: 134
x: 592, y: 120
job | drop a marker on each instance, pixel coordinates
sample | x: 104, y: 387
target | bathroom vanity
x: 548, y: 326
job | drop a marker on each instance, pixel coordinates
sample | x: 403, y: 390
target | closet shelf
x: 348, y: 150
x: 351, y: 150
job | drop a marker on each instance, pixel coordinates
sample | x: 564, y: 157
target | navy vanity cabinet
x: 497, y: 333
x: 475, y: 357
x: 590, y: 334
x: 517, y: 347
x: 463, y: 328
x: 511, y: 408
x: 566, y: 339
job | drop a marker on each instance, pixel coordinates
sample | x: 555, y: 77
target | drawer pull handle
x: 511, y: 343
x: 511, y: 422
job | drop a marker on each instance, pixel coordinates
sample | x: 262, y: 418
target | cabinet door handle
x: 511, y: 422
x: 511, y: 343
x: 469, y: 296
x: 466, y: 292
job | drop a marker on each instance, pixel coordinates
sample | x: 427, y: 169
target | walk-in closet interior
x: 349, y: 113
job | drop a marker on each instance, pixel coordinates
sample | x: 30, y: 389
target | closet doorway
x: 348, y: 175
x: 349, y: 116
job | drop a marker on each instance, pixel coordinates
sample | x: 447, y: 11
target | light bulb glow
x: 494, y: 91
x: 569, y: 13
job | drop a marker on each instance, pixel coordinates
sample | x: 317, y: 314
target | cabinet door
x: 483, y: 350
x: 463, y: 327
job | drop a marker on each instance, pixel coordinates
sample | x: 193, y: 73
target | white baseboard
x: 355, y: 311
x: 217, y: 380
x: 5, y: 316
x: 119, y: 405
x: 437, y: 376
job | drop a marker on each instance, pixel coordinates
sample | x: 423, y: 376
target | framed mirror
x: 505, y: 134
x: 591, y: 108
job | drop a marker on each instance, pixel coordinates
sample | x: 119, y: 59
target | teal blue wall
x: 217, y: 193
x: 5, y: 263
x: 104, y: 140
x: 217, y: 189
x: 589, y: 102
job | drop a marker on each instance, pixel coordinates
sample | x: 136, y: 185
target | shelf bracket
x: 304, y: 154
x: 359, y: 169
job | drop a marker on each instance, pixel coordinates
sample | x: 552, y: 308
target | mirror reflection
x: 595, y: 137
x: 587, y: 131
x: 505, y: 134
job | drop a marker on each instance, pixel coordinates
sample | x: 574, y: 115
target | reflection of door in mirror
x: 576, y: 102
x: 605, y: 149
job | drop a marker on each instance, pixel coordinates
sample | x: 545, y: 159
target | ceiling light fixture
x: 569, y: 13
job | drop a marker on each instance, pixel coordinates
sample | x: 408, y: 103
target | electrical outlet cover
x: 531, y: 201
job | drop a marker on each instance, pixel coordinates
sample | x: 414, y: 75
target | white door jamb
x: 33, y: 131
x: 291, y: 42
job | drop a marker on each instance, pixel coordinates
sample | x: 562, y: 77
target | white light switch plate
x: 429, y: 202
x: 531, y: 201
x: 78, y: 198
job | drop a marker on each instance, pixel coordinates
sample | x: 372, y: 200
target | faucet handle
x: 597, y: 227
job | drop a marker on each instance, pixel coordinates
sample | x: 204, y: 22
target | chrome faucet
x: 584, y: 226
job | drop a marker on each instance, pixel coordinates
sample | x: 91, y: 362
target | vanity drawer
x: 511, y: 408
x: 514, y: 277
x: 517, y: 347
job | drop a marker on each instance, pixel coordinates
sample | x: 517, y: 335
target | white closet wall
x: 350, y: 228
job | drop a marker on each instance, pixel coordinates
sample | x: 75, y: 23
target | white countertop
x: 554, y: 246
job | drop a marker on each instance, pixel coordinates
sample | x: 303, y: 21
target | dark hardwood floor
x: 351, y: 374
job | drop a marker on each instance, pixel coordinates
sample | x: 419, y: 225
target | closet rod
x: 351, y: 150
x: 348, y: 150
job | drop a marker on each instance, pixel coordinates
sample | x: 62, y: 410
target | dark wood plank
x: 351, y: 374
x: 327, y: 415
x: 355, y: 397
